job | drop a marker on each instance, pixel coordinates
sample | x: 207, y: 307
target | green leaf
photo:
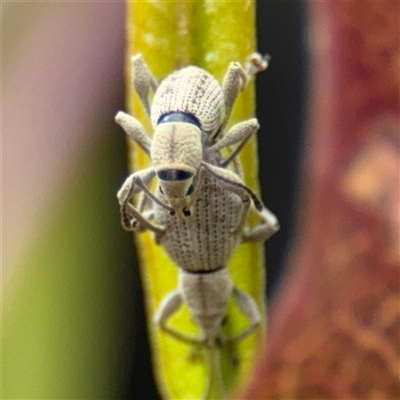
x: 209, y: 34
x: 65, y: 308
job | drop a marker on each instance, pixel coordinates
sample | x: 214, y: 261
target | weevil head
x: 176, y: 155
x: 177, y: 186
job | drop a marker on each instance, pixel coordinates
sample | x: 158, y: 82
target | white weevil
x: 199, y: 210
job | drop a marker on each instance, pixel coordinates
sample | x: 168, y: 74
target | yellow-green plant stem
x: 209, y: 34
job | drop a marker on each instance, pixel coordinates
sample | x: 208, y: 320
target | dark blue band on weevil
x: 179, y: 116
x: 174, y: 174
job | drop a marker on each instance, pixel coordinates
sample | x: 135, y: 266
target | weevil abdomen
x: 206, y: 296
x: 193, y: 91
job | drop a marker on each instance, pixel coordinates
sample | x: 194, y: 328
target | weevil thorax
x: 188, y: 108
x: 176, y: 154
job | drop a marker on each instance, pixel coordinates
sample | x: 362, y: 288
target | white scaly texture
x: 202, y: 241
x: 191, y: 90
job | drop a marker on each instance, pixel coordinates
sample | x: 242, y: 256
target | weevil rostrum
x: 199, y: 209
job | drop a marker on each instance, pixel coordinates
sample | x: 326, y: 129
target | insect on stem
x: 200, y: 209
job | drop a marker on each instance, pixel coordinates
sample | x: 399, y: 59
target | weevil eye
x: 186, y: 213
x: 174, y: 175
x: 190, y: 190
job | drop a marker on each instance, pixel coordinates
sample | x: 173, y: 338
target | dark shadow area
x: 281, y: 100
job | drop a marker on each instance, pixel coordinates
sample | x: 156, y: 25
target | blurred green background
x: 72, y: 315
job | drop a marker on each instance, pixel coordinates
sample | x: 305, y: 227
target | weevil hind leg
x: 168, y: 307
x: 143, y: 80
x: 249, y: 308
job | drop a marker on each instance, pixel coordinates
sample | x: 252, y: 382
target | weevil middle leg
x: 268, y: 226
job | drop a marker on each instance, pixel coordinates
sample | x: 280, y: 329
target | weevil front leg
x: 234, y: 81
x: 138, y: 182
x: 143, y: 80
x: 256, y: 63
x: 249, y: 308
x: 168, y: 307
x: 128, y: 189
x: 145, y: 207
x: 134, y: 184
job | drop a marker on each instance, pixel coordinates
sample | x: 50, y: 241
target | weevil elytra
x: 199, y: 210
